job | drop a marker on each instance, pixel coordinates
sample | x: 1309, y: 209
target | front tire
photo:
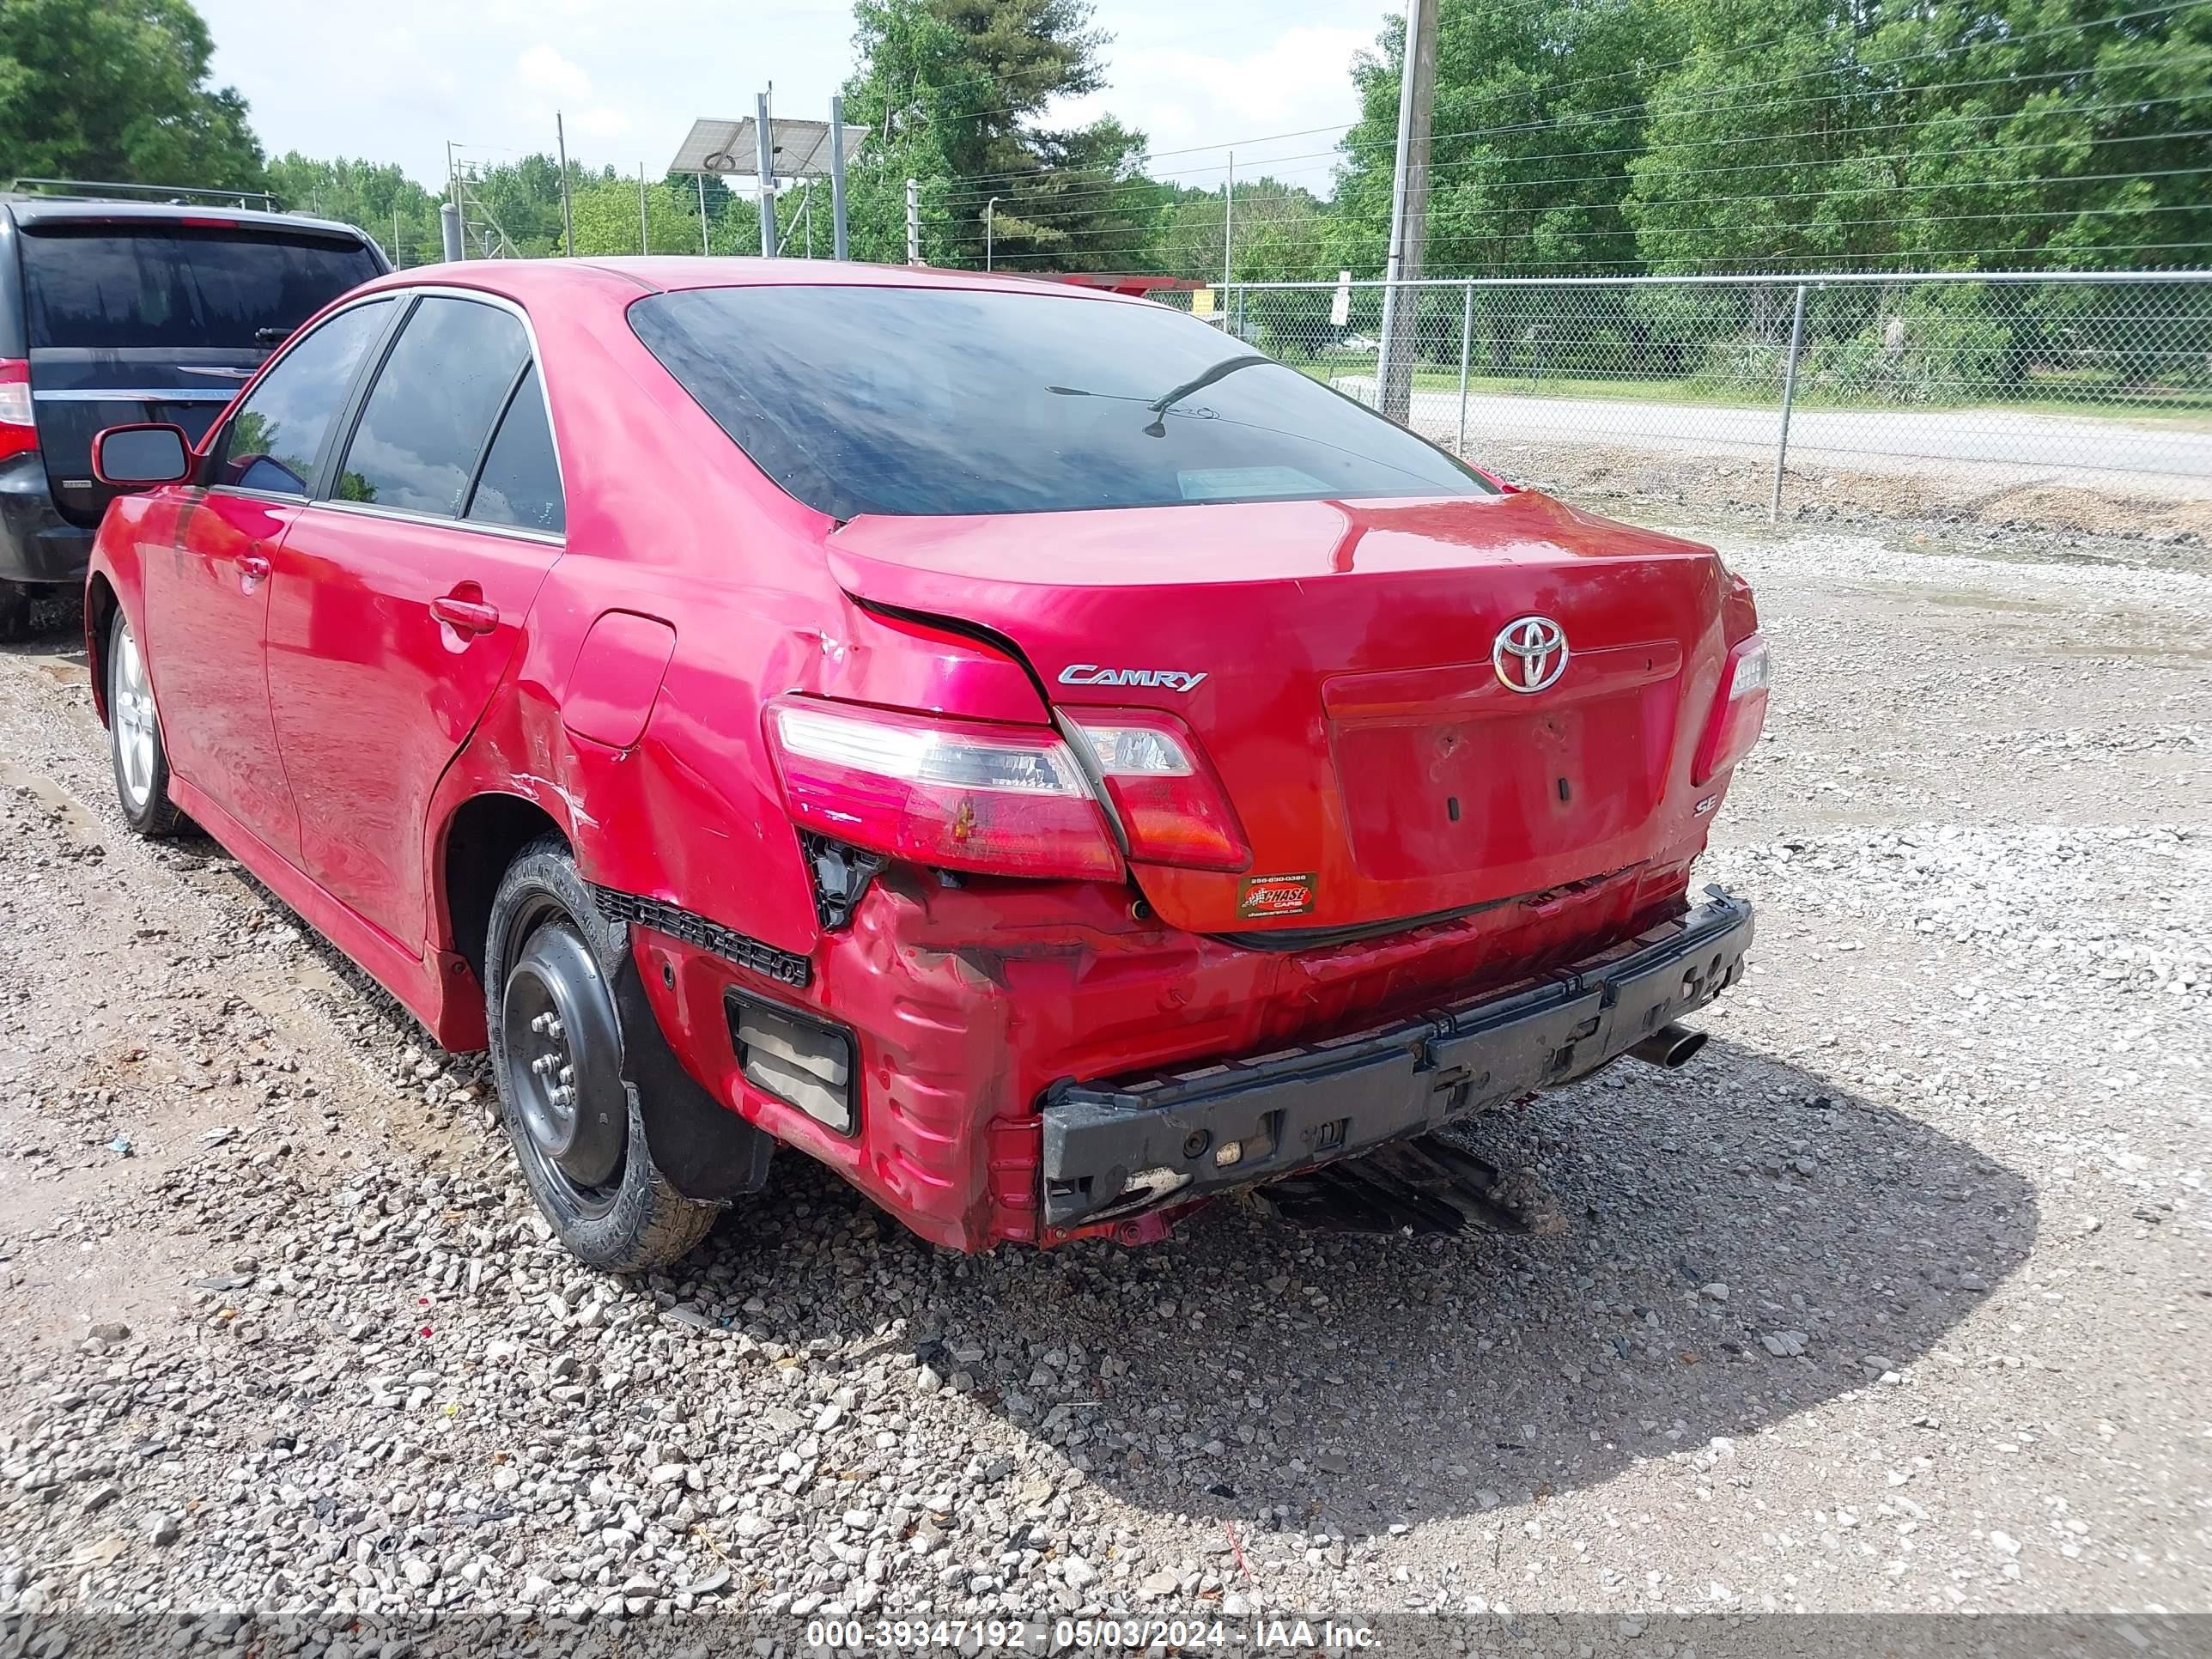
x: 134, y: 739
x: 551, y: 963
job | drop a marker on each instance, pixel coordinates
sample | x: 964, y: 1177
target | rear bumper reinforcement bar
x: 1113, y: 1149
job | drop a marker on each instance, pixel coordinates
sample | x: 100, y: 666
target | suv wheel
x: 557, y: 1055
x: 134, y: 737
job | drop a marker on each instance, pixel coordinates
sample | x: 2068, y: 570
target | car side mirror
x: 141, y: 456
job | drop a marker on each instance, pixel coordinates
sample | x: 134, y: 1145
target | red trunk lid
x: 1347, y: 696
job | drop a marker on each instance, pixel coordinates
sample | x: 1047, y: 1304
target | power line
x: 1846, y: 133
x: 1694, y: 98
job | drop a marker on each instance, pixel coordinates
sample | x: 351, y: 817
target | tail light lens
x: 19, y: 430
x: 957, y: 795
x: 1739, y: 714
x: 1173, y: 810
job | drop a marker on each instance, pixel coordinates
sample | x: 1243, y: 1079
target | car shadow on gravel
x: 1713, y: 1250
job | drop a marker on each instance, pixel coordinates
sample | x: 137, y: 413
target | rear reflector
x: 1172, y: 808
x: 954, y: 794
x: 1739, y: 713
x: 800, y: 1062
x: 19, y: 431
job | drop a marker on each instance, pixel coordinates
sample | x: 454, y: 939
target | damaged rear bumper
x: 1115, y: 1148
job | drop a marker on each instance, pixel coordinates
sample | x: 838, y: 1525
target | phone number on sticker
x: 922, y: 1635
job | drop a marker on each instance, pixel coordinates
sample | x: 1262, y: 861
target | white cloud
x: 1181, y: 99
x: 603, y: 122
x: 544, y: 69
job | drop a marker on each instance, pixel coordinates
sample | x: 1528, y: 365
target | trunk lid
x: 77, y: 392
x: 1335, y: 661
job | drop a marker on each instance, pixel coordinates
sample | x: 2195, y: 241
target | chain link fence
x: 1979, y: 377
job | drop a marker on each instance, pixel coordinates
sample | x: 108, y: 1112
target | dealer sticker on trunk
x: 1274, y: 895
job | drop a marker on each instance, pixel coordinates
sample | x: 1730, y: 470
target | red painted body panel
x: 618, y: 674
x: 1305, y: 619
x: 373, y: 694
x: 207, y: 613
x: 1345, y: 647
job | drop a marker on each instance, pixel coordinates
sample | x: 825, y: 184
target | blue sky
x: 628, y: 76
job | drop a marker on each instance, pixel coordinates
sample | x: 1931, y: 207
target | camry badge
x: 1090, y: 673
x: 1530, y: 655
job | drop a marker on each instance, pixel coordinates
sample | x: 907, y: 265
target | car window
x: 521, y: 480
x: 425, y: 421
x: 914, y: 400
x: 272, y: 442
x: 176, y: 286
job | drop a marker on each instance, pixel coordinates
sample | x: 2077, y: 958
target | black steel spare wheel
x: 553, y: 969
x: 563, y: 1043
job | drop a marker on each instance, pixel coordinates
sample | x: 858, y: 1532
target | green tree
x: 1971, y: 134
x: 951, y: 92
x: 377, y: 196
x: 117, y: 90
x: 1538, y: 105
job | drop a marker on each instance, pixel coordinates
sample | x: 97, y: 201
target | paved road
x: 2006, y: 438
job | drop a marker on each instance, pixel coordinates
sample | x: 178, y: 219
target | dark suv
x: 113, y: 312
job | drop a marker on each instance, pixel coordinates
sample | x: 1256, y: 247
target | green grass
x: 2189, y: 409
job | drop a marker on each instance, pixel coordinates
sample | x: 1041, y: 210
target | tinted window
x: 521, y: 480
x: 178, y: 286
x: 272, y: 442
x: 940, y: 401
x: 426, y: 419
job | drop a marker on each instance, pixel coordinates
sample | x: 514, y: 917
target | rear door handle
x: 253, y: 567
x: 464, y: 616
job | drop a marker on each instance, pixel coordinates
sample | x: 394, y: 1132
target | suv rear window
x: 908, y: 400
x: 180, y: 286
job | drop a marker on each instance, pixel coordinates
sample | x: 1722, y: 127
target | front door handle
x: 253, y: 567
x: 464, y: 616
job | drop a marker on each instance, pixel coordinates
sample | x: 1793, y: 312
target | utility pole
x: 1228, y: 234
x: 1409, y: 210
x: 766, y: 148
x: 837, y: 178
x: 450, y: 233
x: 397, y: 258
x: 913, y: 221
x: 990, y: 228
x: 705, y: 246
x: 644, y: 236
x: 568, y: 217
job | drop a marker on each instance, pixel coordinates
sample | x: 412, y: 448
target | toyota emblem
x: 1531, y: 653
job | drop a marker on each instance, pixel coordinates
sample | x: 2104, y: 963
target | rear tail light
x: 1738, y: 714
x: 19, y: 430
x: 956, y: 794
x: 1171, y: 806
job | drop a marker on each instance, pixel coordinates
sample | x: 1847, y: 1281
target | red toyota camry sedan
x: 1015, y: 744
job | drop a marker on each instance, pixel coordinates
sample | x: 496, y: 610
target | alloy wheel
x: 132, y: 719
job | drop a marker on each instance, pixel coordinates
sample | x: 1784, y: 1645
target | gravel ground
x: 1896, y: 1300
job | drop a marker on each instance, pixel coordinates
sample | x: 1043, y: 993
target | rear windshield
x: 179, y: 285
x: 947, y: 401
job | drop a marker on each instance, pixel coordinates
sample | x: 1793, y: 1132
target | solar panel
x: 729, y: 149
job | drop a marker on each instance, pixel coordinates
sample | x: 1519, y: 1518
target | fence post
x: 1789, y: 396
x: 1465, y: 343
x: 913, y: 221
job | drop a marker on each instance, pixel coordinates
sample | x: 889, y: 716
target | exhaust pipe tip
x: 1670, y: 1048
